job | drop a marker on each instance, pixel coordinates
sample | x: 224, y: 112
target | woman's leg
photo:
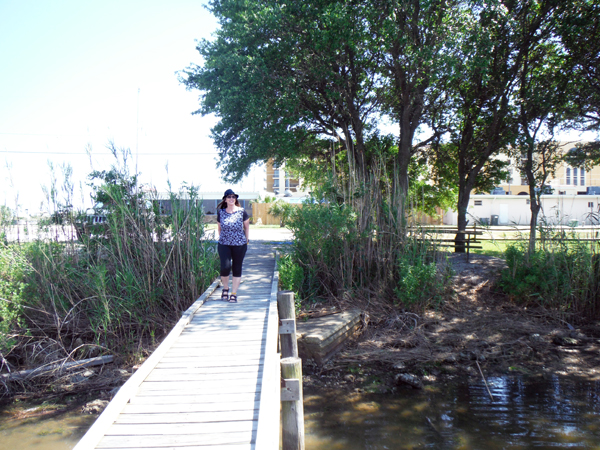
x: 237, y: 253
x: 225, y: 256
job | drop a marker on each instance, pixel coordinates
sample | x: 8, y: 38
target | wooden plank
x: 210, y: 416
x: 158, y: 376
x: 191, y: 385
x: 222, y: 399
x: 230, y: 325
x: 175, y: 440
x: 172, y: 371
x: 246, y: 446
x: 141, y: 429
x: 213, y: 342
x: 212, y: 351
x: 227, y: 338
x: 146, y: 408
x: 201, y: 389
x: 209, y: 362
x: 214, y: 360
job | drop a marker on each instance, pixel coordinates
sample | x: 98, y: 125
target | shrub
x: 420, y: 282
x: 558, y: 276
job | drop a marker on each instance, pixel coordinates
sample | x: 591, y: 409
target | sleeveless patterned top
x: 232, y: 227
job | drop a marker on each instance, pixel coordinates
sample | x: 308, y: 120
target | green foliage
x: 325, y: 234
x: 14, y: 269
x: 564, y: 276
x: 283, y: 210
x: 291, y: 275
x: 420, y: 283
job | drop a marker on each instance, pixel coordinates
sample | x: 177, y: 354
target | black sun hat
x: 229, y: 192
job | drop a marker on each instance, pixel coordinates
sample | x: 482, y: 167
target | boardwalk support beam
x: 292, y: 412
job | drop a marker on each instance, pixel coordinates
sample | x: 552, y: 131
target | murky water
x: 42, y: 433
x: 524, y: 413
x: 536, y: 413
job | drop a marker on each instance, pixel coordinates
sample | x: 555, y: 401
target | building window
x: 575, y: 177
x: 276, y: 183
x: 528, y: 201
x: 590, y: 204
x: 478, y: 202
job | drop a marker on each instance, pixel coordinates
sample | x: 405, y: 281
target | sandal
x: 233, y: 298
x: 224, y: 295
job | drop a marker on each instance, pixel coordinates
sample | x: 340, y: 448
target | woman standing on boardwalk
x: 234, y: 235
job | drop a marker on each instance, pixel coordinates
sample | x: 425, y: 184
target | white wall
x: 514, y: 209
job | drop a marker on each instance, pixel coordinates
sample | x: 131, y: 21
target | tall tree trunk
x: 535, y: 210
x: 464, y: 195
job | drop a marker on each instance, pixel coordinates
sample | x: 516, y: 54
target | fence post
x: 287, y: 316
x: 292, y: 409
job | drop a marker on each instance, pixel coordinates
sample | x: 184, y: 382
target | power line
x: 105, y: 154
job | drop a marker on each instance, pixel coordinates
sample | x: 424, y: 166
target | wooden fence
x: 261, y: 211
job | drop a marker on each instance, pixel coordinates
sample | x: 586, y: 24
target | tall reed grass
x: 117, y: 290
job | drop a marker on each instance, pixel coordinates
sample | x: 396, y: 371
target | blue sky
x: 82, y: 73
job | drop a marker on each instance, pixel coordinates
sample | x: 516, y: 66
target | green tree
x: 278, y: 75
x: 544, y: 98
x: 486, y: 121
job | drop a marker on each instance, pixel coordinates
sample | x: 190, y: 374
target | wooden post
x: 292, y: 410
x: 287, y: 311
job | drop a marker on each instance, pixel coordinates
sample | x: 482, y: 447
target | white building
x: 515, y: 210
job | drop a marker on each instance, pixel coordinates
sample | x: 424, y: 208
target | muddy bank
x: 477, y: 332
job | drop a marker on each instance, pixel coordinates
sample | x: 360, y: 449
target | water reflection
x: 524, y: 413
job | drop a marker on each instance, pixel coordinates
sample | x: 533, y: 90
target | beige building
x: 567, y: 181
x: 574, y: 201
x: 279, y: 182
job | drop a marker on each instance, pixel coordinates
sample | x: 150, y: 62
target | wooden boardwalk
x: 213, y: 383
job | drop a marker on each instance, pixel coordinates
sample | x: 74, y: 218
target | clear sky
x: 82, y: 73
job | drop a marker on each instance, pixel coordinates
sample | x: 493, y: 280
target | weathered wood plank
x: 169, y: 371
x: 142, y: 429
x: 200, y: 389
x: 246, y: 446
x: 229, y: 338
x: 147, y: 408
x: 210, y: 416
x: 175, y: 440
x: 210, y: 351
x: 214, y: 360
x: 246, y: 399
x: 156, y: 376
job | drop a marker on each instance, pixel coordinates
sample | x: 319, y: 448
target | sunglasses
x: 231, y: 196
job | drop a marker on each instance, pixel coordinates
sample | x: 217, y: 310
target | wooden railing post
x: 292, y: 408
x: 287, y: 317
